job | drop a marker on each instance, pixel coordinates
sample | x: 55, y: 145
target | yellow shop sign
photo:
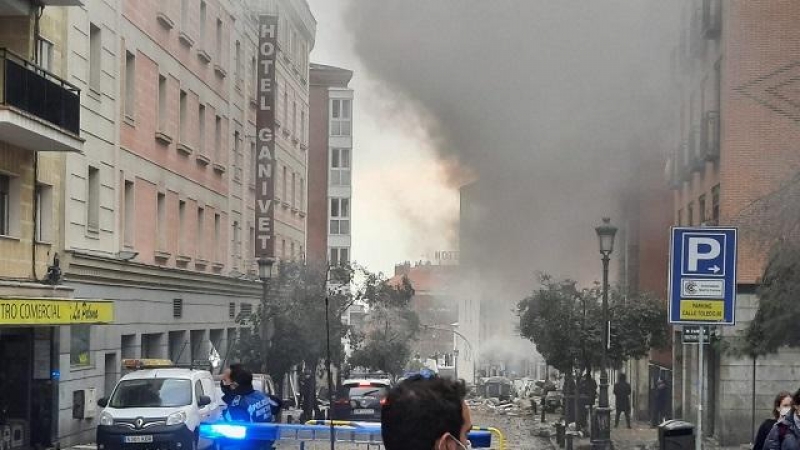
x: 55, y: 311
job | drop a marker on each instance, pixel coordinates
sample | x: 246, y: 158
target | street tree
x: 566, y: 325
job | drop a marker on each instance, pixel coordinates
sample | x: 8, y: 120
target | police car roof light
x: 139, y: 364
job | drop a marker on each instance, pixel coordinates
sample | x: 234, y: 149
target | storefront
x: 30, y: 369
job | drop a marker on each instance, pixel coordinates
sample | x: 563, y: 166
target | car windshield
x: 152, y: 392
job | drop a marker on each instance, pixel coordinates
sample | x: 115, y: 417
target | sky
x: 402, y: 208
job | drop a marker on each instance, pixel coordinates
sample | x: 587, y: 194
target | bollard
x: 560, y: 434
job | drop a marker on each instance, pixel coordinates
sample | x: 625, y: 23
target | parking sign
x: 702, y: 277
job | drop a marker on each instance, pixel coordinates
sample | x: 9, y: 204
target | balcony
x: 38, y: 110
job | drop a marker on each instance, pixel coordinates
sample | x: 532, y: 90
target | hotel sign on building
x: 265, y: 124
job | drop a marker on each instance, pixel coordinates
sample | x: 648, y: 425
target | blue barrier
x: 359, y: 433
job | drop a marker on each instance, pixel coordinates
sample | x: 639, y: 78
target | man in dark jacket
x: 248, y: 405
x: 622, y: 395
x: 785, y: 435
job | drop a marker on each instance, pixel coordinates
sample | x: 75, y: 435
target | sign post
x: 702, y: 288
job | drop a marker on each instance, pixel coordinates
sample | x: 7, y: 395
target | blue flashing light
x: 228, y: 431
x: 55, y: 375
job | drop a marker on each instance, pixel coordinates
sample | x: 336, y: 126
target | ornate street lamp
x: 265, y: 275
x: 602, y: 439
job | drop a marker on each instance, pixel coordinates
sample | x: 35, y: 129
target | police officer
x: 247, y: 404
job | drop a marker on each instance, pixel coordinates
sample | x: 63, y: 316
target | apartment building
x: 330, y: 165
x: 127, y: 148
x: 736, y: 65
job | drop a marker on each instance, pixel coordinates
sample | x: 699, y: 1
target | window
x: 283, y: 247
x: 130, y: 86
x: 184, y: 14
x: 302, y: 133
x: 201, y: 122
x: 285, y: 186
x: 339, y: 256
x: 199, y: 392
x: 181, y: 227
x: 202, y: 24
x: 200, y: 238
x: 251, y: 243
x: 93, y: 200
x: 44, y: 54
x: 44, y: 212
x: 340, y: 117
x: 95, y: 57
x: 128, y: 219
x: 690, y: 213
x: 231, y: 310
x: 253, y: 168
x: 285, y: 105
x: 340, y: 216
x: 219, y: 40
x: 254, y: 76
x: 715, y: 205
x: 237, y: 62
x: 217, y: 135
x: 162, y: 103
x: 340, y: 167
x: 294, y: 118
x: 291, y: 249
x: 294, y: 190
x: 217, y: 231
x: 237, y: 158
x: 5, y: 205
x: 701, y: 208
x: 79, y: 345
x: 236, y: 243
x: 161, y: 214
x: 183, y: 134
x: 302, y: 194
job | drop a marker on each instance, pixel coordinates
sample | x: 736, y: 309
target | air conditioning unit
x: 712, y: 18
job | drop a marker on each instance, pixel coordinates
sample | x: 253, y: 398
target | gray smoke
x: 546, y: 102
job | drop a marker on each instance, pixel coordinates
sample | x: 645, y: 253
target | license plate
x: 141, y: 439
x: 363, y: 411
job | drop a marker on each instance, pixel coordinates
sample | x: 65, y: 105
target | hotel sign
x: 55, y: 312
x: 265, y: 139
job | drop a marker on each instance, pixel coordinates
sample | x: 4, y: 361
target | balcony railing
x: 29, y: 88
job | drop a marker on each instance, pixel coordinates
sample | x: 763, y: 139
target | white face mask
x: 785, y: 410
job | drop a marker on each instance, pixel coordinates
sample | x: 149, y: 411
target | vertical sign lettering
x: 265, y: 124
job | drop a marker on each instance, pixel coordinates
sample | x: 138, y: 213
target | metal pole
x: 699, y: 440
x: 603, y: 412
x: 753, y: 399
x: 264, y: 324
x: 328, y: 365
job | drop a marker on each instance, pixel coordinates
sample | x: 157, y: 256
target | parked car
x: 158, y: 406
x: 360, y: 400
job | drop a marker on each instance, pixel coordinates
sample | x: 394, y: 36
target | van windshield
x: 152, y: 393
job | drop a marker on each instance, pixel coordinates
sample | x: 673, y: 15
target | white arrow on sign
x: 714, y: 269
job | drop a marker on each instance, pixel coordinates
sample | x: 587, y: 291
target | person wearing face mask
x: 425, y: 412
x: 780, y: 407
x: 785, y: 434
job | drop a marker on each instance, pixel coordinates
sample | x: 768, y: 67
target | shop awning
x: 38, y: 311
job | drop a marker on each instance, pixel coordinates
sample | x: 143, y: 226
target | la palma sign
x: 265, y: 139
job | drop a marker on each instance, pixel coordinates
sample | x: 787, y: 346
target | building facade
x: 736, y: 65
x: 330, y: 163
x: 143, y: 184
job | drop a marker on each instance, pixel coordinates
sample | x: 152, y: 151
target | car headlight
x: 106, y: 419
x: 176, y: 418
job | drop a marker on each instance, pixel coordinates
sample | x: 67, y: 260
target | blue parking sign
x: 702, y: 277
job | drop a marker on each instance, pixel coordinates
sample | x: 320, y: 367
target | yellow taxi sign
x: 147, y: 363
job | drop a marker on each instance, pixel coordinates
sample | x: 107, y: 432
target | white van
x: 159, y: 407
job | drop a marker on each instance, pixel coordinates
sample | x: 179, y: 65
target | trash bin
x: 676, y: 435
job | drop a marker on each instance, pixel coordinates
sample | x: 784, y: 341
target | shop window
x: 79, y: 345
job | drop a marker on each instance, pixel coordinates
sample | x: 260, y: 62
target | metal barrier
x: 320, y: 431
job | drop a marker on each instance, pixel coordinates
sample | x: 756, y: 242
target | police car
x: 158, y: 406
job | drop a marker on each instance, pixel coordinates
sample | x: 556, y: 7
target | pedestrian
x: 661, y: 401
x: 785, y: 434
x: 780, y: 408
x: 588, y: 394
x: 426, y: 412
x: 227, y: 385
x: 622, y: 396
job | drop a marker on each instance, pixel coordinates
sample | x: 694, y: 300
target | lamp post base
x: 602, y: 429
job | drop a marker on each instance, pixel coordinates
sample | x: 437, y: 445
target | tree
x: 390, y: 327
x: 566, y: 324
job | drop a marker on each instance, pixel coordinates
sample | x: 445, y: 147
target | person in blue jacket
x: 248, y: 405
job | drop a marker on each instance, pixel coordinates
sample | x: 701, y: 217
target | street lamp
x: 265, y: 275
x: 602, y: 440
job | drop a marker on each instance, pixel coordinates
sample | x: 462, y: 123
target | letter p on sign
x: 701, y: 249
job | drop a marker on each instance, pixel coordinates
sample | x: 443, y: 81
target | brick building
x: 330, y: 162
x: 737, y: 66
